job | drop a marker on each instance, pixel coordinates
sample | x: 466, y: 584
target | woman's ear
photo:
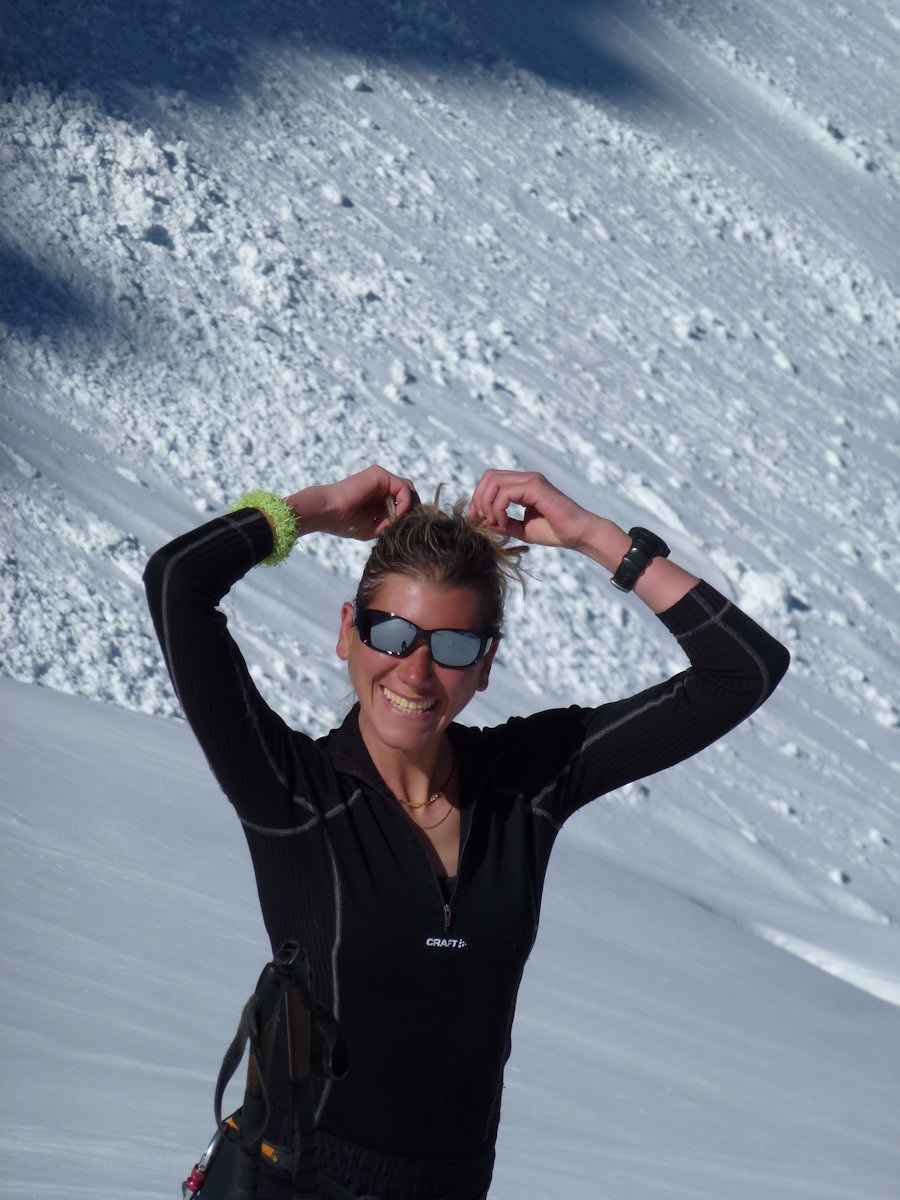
x: 346, y: 632
x: 484, y: 667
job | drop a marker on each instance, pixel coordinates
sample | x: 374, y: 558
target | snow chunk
x: 333, y: 194
x: 761, y: 594
x: 782, y: 361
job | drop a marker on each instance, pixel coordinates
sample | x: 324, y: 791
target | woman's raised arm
x: 552, y: 519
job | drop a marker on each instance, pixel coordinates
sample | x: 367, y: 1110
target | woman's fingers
x: 550, y: 517
x: 403, y: 493
x: 392, y: 496
x: 497, y: 490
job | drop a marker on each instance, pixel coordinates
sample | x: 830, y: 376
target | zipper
x: 445, y: 904
x: 448, y: 911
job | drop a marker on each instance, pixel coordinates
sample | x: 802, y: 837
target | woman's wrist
x: 307, y: 508
x: 604, y: 542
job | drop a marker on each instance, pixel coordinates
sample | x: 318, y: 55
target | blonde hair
x: 443, y: 547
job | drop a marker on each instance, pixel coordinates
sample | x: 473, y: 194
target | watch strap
x: 645, y: 546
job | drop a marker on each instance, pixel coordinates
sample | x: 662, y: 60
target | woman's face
x: 407, y: 703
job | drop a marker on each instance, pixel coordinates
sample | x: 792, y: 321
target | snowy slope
x: 660, y: 1050
x: 647, y: 248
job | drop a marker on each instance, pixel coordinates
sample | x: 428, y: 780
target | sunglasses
x: 390, y: 634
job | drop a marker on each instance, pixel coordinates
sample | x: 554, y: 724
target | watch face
x: 649, y: 543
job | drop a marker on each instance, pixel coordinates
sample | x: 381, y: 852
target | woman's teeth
x: 409, y: 706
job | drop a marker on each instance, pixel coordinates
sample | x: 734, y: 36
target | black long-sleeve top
x: 424, y: 984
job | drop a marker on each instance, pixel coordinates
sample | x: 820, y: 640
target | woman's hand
x: 550, y: 518
x: 359, y: 506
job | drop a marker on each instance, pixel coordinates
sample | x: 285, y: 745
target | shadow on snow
x: 117, y: 48
x: 124, y: 53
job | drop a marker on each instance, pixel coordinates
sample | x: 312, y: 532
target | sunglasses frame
x: 364, y: 629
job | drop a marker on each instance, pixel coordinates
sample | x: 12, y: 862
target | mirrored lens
x: 391, y: 635
x: 455, y: 647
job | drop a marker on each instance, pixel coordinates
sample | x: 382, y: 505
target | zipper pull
x: 447, y: 916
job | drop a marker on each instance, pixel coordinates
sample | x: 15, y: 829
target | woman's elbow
x: 778, y: 660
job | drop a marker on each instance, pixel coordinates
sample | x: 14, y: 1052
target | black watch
x: 644, y: 546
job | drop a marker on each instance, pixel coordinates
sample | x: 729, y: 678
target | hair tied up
x: 443, y: 547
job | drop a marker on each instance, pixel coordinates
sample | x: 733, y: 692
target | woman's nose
x: 417, y: 665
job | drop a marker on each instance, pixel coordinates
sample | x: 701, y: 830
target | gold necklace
x: 431, y: 799
x: 440, y: 822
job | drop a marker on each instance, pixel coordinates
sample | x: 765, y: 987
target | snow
x: 648, y: 248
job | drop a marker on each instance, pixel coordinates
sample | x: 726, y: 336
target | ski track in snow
x: 649, y: 249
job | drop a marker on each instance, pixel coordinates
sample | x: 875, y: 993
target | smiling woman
x: 404, y: 851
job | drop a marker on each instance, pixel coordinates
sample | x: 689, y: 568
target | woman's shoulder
x: 528, y: 746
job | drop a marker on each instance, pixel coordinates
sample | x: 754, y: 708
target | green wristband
x: 283, y: 517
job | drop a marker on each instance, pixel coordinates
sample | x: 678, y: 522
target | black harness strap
x: 315, y: 1048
